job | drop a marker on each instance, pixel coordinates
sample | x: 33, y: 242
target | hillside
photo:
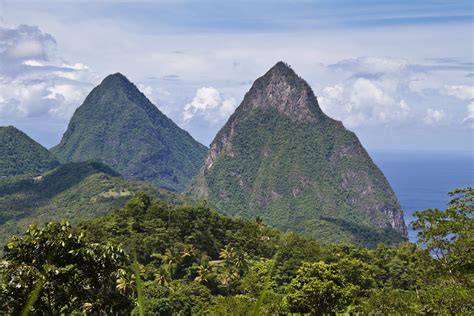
x: 120, y: 127
x: 19, y: 154
x: 281, y: 158
x: 73, y: 191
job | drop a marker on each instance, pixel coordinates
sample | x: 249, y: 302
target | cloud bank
x: 35, y: 80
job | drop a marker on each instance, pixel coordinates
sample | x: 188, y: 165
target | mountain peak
x: 119, y: 126
x: 114, y: 91
x: 282, y: 68
x: 281, y: 89
x: 116, y: 76
x: 116, y: 79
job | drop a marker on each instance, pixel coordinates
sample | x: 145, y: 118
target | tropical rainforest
x: 151, y: 257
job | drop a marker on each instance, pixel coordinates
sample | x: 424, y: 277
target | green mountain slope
x: 120, y: 127
x: 19, y: 154
x: 281, y: 158
x: 72, y: 191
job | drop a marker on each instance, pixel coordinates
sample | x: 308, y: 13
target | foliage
x: 266, y: 285
x: 192, y: 260
x: 76, y: 275
x: 177, y: 297
x: 321, y: 288
x: 119, y: 126
x: 449, y: 234
x: 19, y: 154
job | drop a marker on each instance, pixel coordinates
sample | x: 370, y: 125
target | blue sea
x: 423, y: 180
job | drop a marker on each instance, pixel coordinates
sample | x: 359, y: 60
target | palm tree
x: 233, y: 259
x: 188, y: 251
x: 171, y: 258
x: 124, y: 283
x: 203, y: 271
x: 227, y: 253
x: 240, y: 262
x: 163, y: 277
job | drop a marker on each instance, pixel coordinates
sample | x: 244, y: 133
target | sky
x: 400, y: 74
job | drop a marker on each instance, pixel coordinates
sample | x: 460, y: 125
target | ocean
x: 423, y: 180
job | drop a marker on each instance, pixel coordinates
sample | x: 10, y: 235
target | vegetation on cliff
x: 281, y: 158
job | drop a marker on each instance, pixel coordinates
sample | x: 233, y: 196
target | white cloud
x: 366, y: 93
x: 460, y: 91
x: 209, y: 103
x: 433, y: 117
x: 35, y: 81
x: 19, y: 46
x: 363, y: 102
x: 26, y: 42
x: 33, y: 63
x: 333, y: 92
x: 469, y: 119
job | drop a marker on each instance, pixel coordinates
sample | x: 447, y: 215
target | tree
x: 449, y: 235
x: 232, y: 305
x: 253, y: 281
x: 177, y: 298
x: 321, y: 288
x: 234, y: 266
x: 77, y: 275
x: 203, y: 270
x: 406, y: 266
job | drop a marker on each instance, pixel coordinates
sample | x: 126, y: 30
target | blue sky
x: 400, y: 74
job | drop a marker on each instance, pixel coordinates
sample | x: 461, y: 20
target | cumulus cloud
x: 433, y: 117
x: 460, y: 91
x: 209, y: 103
x: 26, y: 42
x: 469, y: 119
x: 362, y: 102
x: 377, y: 90
x: 373, y: 92
x: 35, y: 81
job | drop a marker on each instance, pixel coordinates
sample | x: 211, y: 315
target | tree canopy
x: 192, y: 260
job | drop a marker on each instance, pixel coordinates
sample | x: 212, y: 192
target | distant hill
x: 19, y: 154
x: 120, y: 127
x: 281, y: 158
x: 73, y: 191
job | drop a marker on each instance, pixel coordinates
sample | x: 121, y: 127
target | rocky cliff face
x: 119, y: 126
x: 281, y: 158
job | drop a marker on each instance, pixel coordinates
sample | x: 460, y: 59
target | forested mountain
x: 72, y: 191
x: 281, y: 158
x: 19, y: 154
x: 119, y: 126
